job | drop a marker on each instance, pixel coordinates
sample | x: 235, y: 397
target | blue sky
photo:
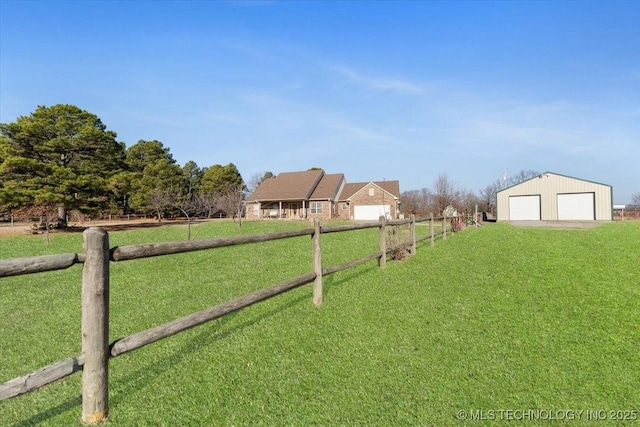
x: 376, y: 90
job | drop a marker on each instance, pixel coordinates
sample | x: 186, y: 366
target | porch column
x: 279, y: 209
x: 304, y: 208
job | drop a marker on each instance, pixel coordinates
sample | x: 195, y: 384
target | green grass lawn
x: 496, y: 318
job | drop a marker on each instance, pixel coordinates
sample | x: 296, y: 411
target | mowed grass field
x: 493, y: 319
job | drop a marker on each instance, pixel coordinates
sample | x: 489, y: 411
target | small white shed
x: 554, y: 197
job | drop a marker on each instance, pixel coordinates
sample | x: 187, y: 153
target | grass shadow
x: 45, y: 416
x: 333, y: 281
x: 146, y: 375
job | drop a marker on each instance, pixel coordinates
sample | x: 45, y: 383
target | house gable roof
x: 390, y: 187
x: 288, y: 186
x: 329, y: 187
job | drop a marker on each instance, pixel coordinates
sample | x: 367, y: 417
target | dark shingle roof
x: 313, y: 185
x: 287, y: 186
x: 328, y: 187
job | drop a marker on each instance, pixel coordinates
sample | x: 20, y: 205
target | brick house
x: 369, y: 200
x: 314, y: 194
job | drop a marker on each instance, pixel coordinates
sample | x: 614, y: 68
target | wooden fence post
x: 383, y: 243
x: 412, y: 234
x: 444, y: 226
x: 317, y: 263
x: 95, y: 326
x: 431, y: 230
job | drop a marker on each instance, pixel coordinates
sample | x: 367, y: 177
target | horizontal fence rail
x: 96, y: 257
x: 123, y: 253
x: 348, y: 227
x: 38, y: 264
x: 43, y: 376
x: 330, y: 270
x: 168, y: 329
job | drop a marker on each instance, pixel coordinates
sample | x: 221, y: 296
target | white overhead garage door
x: 578, y: 206
x: 373, y: 212
x: 524, y: 208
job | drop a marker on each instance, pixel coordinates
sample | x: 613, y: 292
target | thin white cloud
x: 296, y: 134
x: 378, y: 83
x: 474, y: 121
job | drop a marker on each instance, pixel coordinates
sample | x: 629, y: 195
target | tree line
x: 445, y: 193
x: 63, y: 159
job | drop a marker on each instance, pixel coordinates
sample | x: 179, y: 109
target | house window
x: 345, y: 206
x: 371, y: 191
x: 316, y: 207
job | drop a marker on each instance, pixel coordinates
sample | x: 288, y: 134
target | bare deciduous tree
x: 46, y: 221
x: 488, y: 197
x: 208, y: 203
x: 174, y: 197
x: 231, y: 202
x: 522, y: 176
x: 417, y: 202
x: 158, y: 201
x: 187, y: 204
x: 445, y: 193
x: 467, y: 202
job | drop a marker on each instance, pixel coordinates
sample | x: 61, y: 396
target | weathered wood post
x: 412, y: 234
x: 475, y: 217
x: 317, y: 263
x: 432, y: 236
x: 444, y: 226
x: 95, y: 326
x: 383, y: 243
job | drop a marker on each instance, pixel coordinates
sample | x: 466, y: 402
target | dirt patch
x: 565, y: 225
x: 12, y: 230
x: 25, y: 228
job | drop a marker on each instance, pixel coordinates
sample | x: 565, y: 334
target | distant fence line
x: 96, y: 258
x: 80, y: 219
x: 631, y: 213
x: 97, y: 218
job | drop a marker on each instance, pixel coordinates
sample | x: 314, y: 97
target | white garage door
x: 373, y: 212
x: 577, y: 206
x: 524, y: 208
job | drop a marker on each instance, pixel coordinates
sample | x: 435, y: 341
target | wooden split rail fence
x: 97, y: 256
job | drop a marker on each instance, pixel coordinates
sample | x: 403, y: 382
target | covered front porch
x: 283, y: 209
